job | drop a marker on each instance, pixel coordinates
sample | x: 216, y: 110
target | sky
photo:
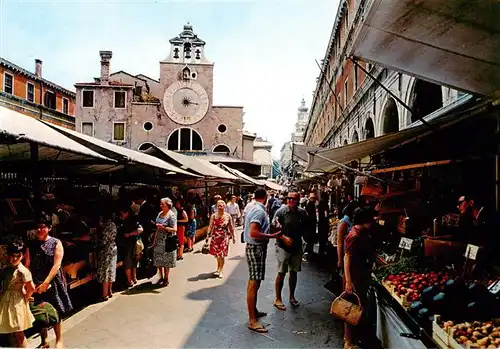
x: 264, y: 50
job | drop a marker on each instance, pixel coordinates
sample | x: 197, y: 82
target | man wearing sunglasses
x: 292, y: 220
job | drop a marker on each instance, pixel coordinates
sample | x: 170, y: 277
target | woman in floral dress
x: 220, y: 231
x: 166, y: 226
x: 107, y: 256
x: 44, y: 258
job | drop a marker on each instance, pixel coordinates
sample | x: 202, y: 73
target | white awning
x: 242, y: 176
x: 324, y: 160
x: 192, y: 163
x: 117, y: 152
x: 300, y: 151
x: 447, y: 42
x: 274, y: 186
x: 19, y: 130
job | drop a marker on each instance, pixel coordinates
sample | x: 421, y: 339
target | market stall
x: 437, y: 272
x: 59, y: 172
x: 435, y: 189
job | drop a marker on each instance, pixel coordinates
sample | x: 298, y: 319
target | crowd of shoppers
x: 298, y: 222
x: 294, y: 220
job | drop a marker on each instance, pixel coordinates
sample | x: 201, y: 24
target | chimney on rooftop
x: 38, y: 68
x: 105, y: 60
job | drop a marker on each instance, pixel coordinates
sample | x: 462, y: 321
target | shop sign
x: 405, y: 243
x: 471, y: 251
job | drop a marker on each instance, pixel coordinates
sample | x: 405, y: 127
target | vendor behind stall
x: 473, y: 224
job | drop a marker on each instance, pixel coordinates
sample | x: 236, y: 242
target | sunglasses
x: 294, y: 199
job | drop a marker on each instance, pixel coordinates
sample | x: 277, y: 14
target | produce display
x: 404, y: 265
x: 411, y: 285
x: 476, y: 334
x: 428, y: 294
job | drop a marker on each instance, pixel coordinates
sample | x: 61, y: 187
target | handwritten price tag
x: 405, y: 243
x: 471, y: 252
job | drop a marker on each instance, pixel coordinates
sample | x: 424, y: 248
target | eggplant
x: 415, y: 308
x: 477, y: 291
x: 424, y: 314
x: 428, y: 294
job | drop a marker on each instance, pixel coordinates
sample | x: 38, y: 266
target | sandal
x: 259, y: 314
x: 259, y: 329
x: 294, y: 303
x: 165, y: 283
x: 280, y: 306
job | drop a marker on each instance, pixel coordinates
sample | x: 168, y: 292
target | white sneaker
x: 221, y: 275
x: 216, y: 273
x: 155, y: 279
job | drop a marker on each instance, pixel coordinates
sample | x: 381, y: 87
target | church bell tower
x: 187, y: 48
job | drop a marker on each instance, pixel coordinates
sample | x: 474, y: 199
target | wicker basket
x: 347, y: 311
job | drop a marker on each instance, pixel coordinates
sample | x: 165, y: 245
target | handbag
x: 44, y: 313
x: 206, y: 248
x: 171, y: 243
x: 347, y: 311
x: 139, y: 247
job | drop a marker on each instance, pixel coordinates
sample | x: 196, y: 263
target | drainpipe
x: 38, y: 73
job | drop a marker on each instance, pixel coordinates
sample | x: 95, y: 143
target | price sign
x: 495, y: 287
x: 471, y: 251
x: 405, y: 243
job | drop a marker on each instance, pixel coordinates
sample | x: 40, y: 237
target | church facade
x: 175, y: 111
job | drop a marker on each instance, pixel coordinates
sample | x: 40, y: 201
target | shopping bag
x: 206, y: 248
x: 347, y: 311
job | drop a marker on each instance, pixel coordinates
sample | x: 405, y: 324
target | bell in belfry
x: 187, y: 51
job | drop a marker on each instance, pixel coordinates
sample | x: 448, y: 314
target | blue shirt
x: 256, y: 214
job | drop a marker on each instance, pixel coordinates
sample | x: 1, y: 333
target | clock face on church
x: 185, y: 102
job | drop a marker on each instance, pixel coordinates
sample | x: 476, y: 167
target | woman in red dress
x: 220, y: 231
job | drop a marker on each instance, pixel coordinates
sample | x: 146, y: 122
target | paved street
x: 198, y: 311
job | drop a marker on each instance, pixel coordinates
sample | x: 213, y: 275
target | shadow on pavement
x: 224, y: 324
x: 147, y: 287
x: 203, y: 276
x: 237, y: 258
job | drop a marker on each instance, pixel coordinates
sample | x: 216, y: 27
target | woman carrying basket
x: 358, y: 262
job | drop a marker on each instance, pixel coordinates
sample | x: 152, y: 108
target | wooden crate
x: 453, y: 343
x: 389, y: 288
x: 405, y: 303
x: 439, y: 332
x: 439, y: 344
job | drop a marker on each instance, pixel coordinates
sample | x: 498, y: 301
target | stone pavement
x: 199, y: 311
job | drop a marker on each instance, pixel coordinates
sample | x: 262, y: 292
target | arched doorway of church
x: 369, y: 129
x: 390, y: 117
x: 425, y: 99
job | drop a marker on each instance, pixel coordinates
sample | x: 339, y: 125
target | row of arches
x: 186, y: 139
x: 425, y: 98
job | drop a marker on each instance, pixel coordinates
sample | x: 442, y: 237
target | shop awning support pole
x: 497, y: 165
x: 206, y: 200
x: 35, y: 179
x: 348, y: 168
x: 421, y: 118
